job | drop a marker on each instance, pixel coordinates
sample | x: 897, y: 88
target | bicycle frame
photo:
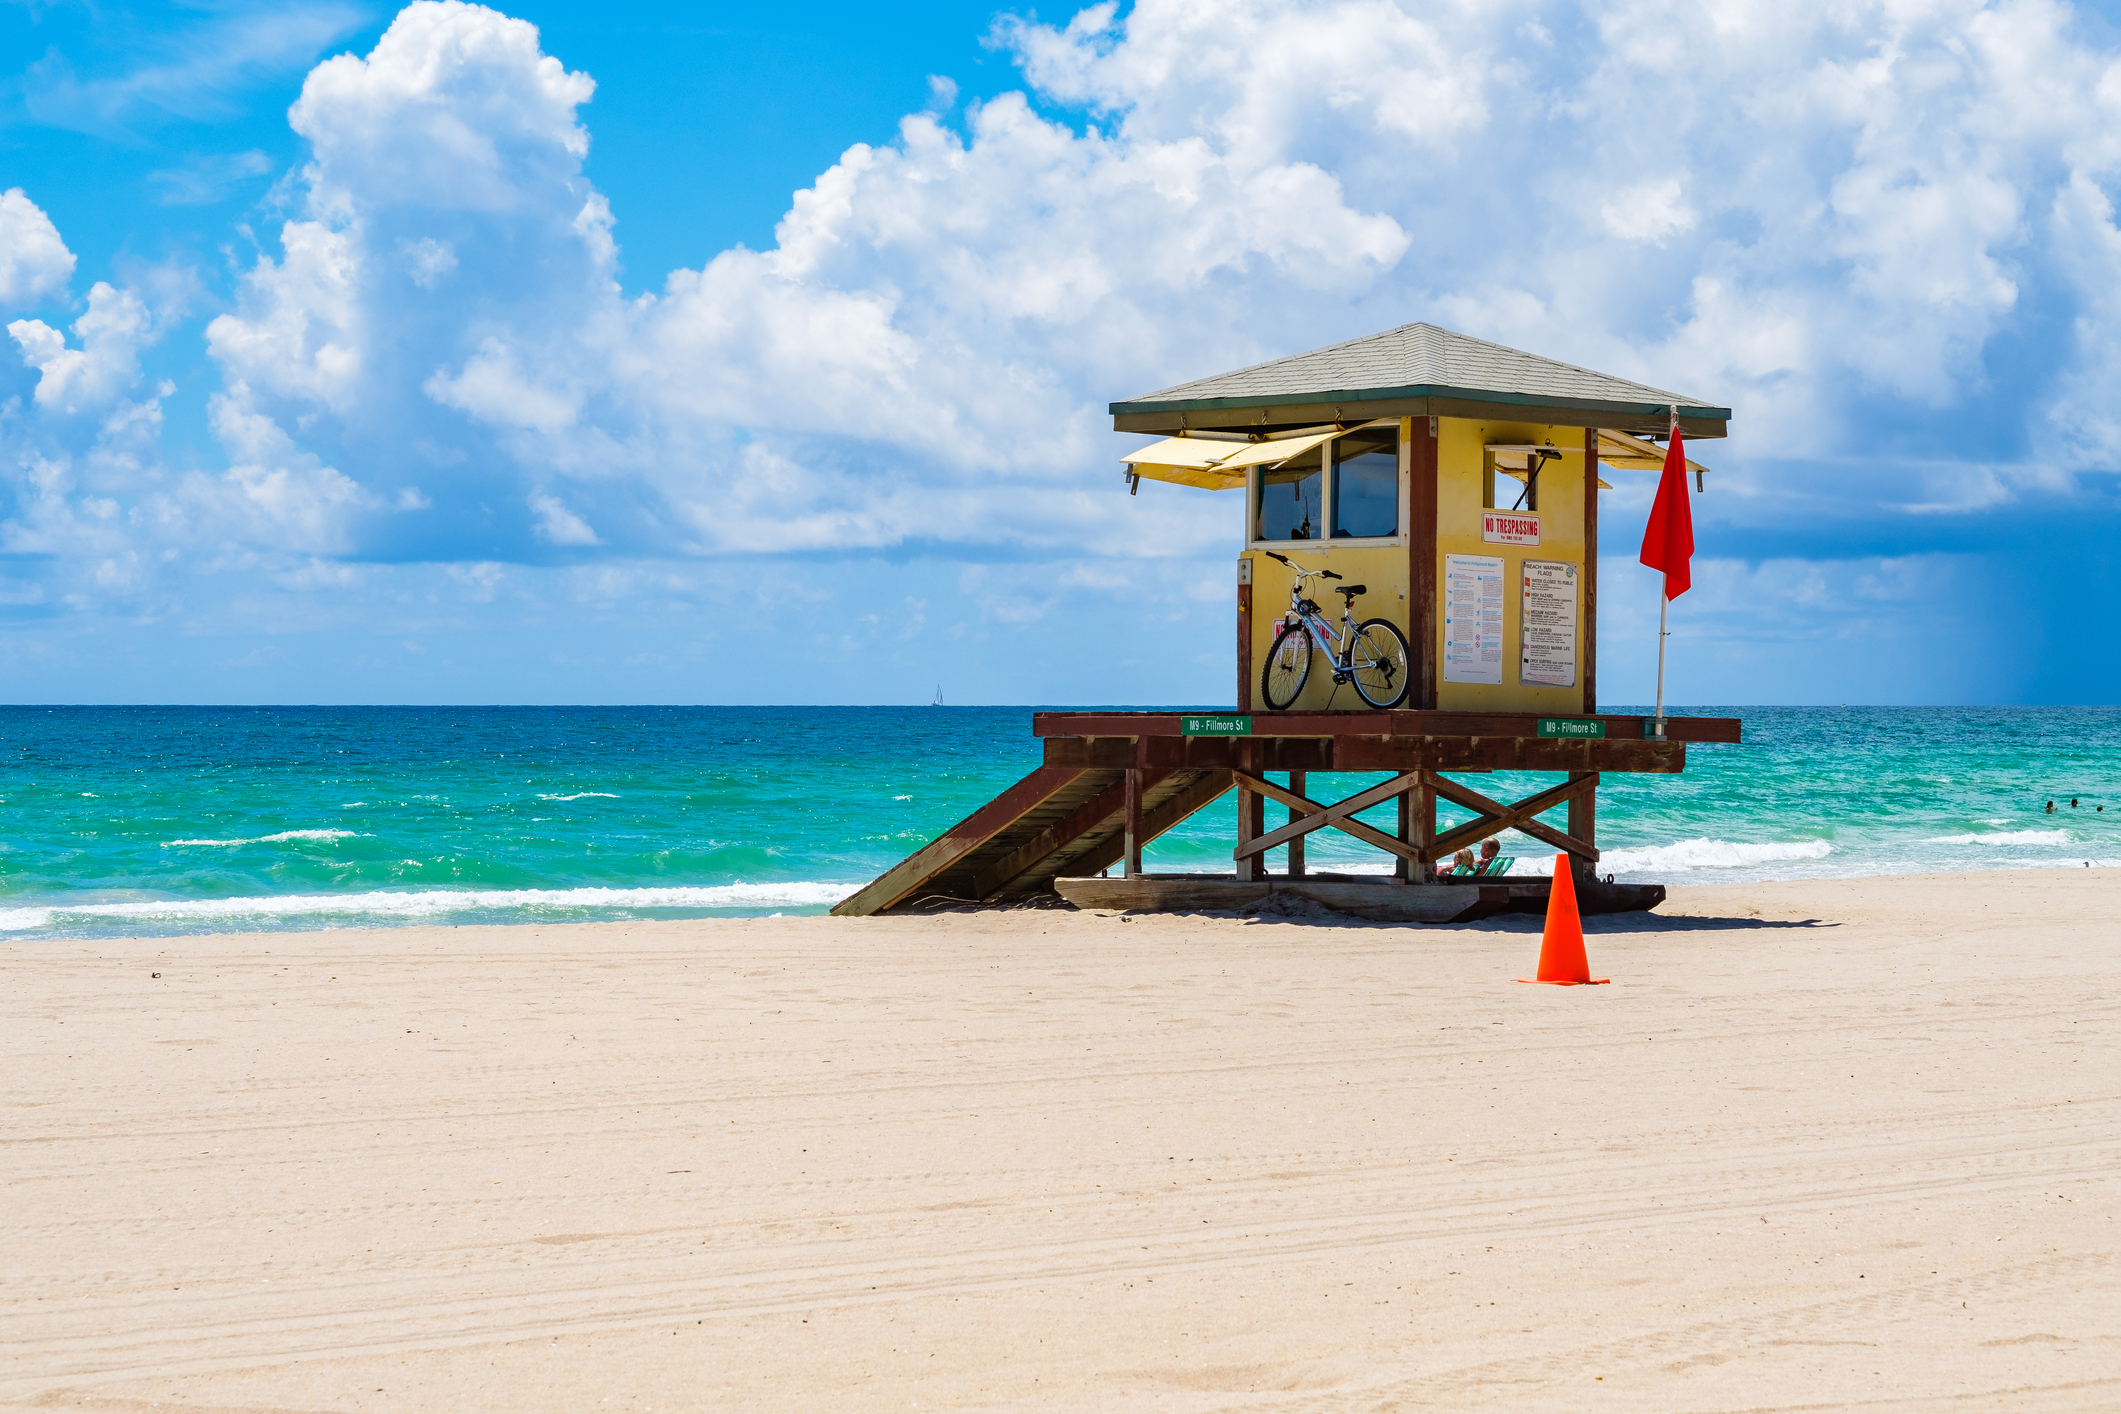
x: 1339, y: 646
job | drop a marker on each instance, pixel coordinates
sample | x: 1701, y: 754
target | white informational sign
x: 1548, y: 620
x: 1473, y: 586
x: 1509, y: 527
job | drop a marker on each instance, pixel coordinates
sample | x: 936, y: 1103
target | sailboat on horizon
x: 938, y: 696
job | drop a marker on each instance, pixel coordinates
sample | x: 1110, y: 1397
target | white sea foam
x: 581, y: 795
x: 2065, y: 862
x: 283, y: 836
x: 1710, y: 854
x: 429, y: 904
x: 2046, y: 837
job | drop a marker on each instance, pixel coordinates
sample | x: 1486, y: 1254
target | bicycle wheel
x: 1378, y: 662
x: 1288, y: 664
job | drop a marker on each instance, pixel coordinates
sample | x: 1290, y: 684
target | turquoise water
x: 119, y: 820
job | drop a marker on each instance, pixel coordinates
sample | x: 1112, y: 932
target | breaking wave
x: 283, y: 836
x: 436, y: 903
x: 1709, y: 854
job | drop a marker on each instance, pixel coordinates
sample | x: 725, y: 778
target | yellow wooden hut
x: 1457, y: 479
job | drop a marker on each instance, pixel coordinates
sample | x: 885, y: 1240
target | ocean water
x: 132, y: 820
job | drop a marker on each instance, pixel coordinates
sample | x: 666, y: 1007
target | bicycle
x: 1373, y: 654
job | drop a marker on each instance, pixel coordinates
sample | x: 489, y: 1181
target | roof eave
x: 1356, y: 396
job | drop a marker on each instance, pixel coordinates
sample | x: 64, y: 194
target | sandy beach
x: 1819, y: 1146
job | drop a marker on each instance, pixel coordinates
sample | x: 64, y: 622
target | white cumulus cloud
x: 34, y: 261
x: 455, y: 109
x: 112, y: 333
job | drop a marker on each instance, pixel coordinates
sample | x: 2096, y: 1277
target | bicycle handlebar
x: 1301, y: 572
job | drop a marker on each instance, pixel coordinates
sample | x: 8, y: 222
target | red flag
x: 1668, y: 540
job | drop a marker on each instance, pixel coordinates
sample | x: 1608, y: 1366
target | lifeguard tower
x: 1456, y: 482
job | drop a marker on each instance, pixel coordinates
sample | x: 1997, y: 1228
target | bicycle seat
x: 1351, y: 590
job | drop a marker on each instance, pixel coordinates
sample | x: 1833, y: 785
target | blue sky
x: 559, y: 353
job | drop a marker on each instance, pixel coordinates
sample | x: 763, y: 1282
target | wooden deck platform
x: 1114, y: 781
x: 1379, y: 900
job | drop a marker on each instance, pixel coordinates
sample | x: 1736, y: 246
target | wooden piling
x: 1296, y: 846
x: 1132, y: 849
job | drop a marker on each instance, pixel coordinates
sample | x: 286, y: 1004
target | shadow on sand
x: 1686, y: 923
x: 1285, y: 908
x: 1288, y: 908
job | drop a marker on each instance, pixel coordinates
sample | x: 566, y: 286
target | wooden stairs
x: 1057, y: 820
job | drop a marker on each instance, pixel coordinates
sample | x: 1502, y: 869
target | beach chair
x: 1495, y: 867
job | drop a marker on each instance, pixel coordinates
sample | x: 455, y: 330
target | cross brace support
x: 1495, y: 817
x: 1339, y: 817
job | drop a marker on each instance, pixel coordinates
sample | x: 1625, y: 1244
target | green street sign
x: 1570, y: 727
x: 1215, y: 726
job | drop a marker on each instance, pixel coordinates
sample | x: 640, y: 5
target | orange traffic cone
x: 1561, y: 958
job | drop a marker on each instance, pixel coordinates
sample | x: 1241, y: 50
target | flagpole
x: 1664, y: 608
x: 1664, y: 604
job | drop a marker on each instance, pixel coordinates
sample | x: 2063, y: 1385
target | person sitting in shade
x: 1489, y: 848
x: 1461, y: 863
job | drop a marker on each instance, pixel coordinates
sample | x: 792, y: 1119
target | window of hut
x: 1503, y: 490
x: 1510, y: 491
x: 1366, y: 487
x: 1289, y: 500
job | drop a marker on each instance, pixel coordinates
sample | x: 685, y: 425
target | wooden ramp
x: 1058, y: 819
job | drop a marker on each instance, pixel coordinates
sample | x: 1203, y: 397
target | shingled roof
x: 1419, y: 361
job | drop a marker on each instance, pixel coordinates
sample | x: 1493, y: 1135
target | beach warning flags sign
x: 1561, y: 957
x: 1668, y: 540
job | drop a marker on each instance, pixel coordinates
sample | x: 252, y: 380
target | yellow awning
x: 1188, y: 461
x: 1618, y: 449
x: 1615, y: 449
x: 1275, y: 453
x: 1216, y: 465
